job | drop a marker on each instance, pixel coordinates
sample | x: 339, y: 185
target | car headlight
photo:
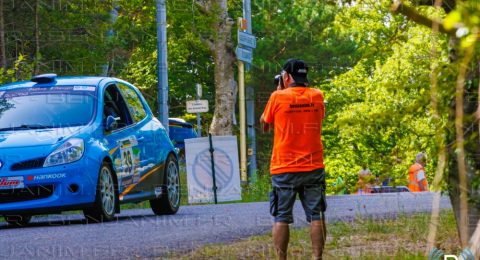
x: 71, y: 151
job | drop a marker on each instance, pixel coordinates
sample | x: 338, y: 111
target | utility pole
x: 252, y: 147
x: 247, y: 14
x: 162, y: 63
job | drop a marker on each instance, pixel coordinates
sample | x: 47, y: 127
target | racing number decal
x: 128, y: 160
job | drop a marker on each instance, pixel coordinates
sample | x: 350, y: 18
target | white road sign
x: 197, y: 106
x: 199, y: 169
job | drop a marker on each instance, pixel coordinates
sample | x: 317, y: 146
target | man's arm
x: 266, y: 127
x: 421, y: 181
x: 268, y: 116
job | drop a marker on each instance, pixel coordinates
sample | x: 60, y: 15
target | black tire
x: 18, y: 220
x: 105, y: 198
x: 169, y: 203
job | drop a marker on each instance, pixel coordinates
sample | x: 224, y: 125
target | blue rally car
x: 89, y: 143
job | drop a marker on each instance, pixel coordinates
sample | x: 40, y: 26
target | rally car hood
x: 40, y: 137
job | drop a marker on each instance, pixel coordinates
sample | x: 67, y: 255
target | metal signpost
x: 199, y: 123
x: 212, y: 158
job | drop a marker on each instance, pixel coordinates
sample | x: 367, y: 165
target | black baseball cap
x: 298, y: 69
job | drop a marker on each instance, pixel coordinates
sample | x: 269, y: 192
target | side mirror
x: 110, y: 123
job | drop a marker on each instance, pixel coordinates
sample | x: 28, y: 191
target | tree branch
x: 412, y: 14
x: 209, y: 42
x: 447, y: 5
x: 204, y: 6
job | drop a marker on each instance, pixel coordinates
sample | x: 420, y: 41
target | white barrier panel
x: 199, y: 169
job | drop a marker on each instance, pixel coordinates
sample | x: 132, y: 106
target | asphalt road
x: 140, y: 234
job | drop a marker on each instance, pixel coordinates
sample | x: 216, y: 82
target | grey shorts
x: 310, y: 187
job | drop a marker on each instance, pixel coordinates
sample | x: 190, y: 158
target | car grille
x: 30, y: 164
x: 24, y: 194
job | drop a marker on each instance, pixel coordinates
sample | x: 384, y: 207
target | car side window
x: 114, y: 105
x: 134, y: 103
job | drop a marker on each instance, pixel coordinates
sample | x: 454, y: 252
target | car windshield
x: 40, y: 108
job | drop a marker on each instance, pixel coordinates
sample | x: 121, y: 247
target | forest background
x: 399, y: 77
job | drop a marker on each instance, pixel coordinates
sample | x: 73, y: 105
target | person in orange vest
x: 417, y: 180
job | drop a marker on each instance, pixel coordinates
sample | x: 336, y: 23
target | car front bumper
x: 51, y: 189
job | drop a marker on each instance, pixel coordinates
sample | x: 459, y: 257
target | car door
x: 122, y: 141
x: 143, y: 127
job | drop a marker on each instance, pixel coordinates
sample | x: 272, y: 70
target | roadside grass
x: 258, y: 190
x: 400, y: 238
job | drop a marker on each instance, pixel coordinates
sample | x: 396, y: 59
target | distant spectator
x: 386, y: 181
x: 417, y: 180
x: 364, y: 184
x: 339, y: 186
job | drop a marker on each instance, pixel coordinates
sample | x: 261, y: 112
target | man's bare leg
x: 318, y: 234
x: 281, y: 235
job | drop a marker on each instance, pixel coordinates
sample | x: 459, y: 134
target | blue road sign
x: 247, y: 40
x: 244, y: 55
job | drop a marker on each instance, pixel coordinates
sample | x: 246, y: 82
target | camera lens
x: 276, y: 80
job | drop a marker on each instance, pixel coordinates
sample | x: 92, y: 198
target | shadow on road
x: 64, y: 220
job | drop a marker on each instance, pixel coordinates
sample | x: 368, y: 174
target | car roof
x: 179, y: 122
x: 59, y: 81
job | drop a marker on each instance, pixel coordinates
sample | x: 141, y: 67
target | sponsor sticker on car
x: 84, y: 88
x: 43, y: 177
x: 11, y: 182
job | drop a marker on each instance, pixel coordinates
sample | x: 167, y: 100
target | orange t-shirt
x: 297, y: 114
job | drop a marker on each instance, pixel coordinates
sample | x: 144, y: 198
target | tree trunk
x: 478, y: 102
x: 3, y: 57
x: 467, y: 212
x: 224, y: 58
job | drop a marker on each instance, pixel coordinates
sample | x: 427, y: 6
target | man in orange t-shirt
x: 296, y: 166
x: 417, y: 180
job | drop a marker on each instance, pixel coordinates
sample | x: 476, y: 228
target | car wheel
x: 18, y: 220
x: 105, y: 198
x: 169, y: 203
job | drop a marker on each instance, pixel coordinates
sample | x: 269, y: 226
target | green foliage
x: 72, y: 36
x: 22, y: 69
x: 381, y: 108
x: 373, y: 67
x: 190, y: 61
x: 258, y: 190
x: 301, y: 29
